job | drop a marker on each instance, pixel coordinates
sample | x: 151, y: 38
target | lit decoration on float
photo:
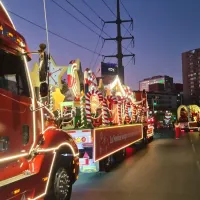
x: 167, y: 117
x: 98, y: 105
x: 58, y: 98
x: 74, y: 74
x: 83, y: 114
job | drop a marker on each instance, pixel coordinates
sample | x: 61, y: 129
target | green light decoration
x: 161, y: 81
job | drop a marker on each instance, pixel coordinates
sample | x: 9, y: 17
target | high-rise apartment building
x: 191, y: 76
x: 167, y: 81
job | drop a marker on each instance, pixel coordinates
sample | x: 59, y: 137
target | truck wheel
x: 60, y: 183
x: 107, y: 164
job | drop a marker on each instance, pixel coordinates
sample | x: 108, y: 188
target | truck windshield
x: 12, y: 74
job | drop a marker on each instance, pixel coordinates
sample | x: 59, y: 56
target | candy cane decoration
x: 127, y: 118
x: 105, y: 112
x: 142, y: 115
x: 119, y: 110
x: 82, y: 101
x: 139, y: 113
x: 112, y: 100
x: 87, y: 103
x: 133, y: 112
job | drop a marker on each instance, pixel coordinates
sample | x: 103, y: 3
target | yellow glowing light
x: 58, y: 98
x: 57, y: 147
x: 16, y: 191
x: 7, y: 14
x: 13, y: 157
x: 115, y: 83
x: 50, y: 127
x: 45, y: 179
x: 33, y: 104
x: 10, y: 34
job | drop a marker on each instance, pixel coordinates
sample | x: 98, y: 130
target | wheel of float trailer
x: 61, y: 183
x: 107, y: 164
x: 145, y: 141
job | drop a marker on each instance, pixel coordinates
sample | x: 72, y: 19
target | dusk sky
x: 163, y: 29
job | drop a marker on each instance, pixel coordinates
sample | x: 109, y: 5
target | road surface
x: 167, y: 169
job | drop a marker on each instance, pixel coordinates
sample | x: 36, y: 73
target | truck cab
x: 35, y: 156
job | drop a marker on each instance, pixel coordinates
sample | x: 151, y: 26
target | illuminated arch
x: 179, y: 110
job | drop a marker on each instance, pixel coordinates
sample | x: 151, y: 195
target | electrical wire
x: 98, y: 56
x: 125, y: 9
x: 128, y: 62
x: 96, y: 49
x: 76, y: 18
x: 108, y: 7
x: 53, y: 33
x: 92, y: 22
x: 92, y: 10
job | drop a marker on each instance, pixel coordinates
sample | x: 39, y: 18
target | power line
x: 98, y: 56
x: 92, y: 10
x: 83, y: 14
x: 96, y: 49
x: 116, y: 16
x: 125, y: 9
x: 53, y: 33
x: 108, y: 7
x: 92, y: 21
x: 129, y: 62
x: 76, y: 18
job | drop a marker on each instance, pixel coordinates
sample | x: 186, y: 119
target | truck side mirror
x: 44, y: 89
x: 43, y: 63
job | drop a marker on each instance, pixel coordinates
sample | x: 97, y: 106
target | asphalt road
x: 167, y: 169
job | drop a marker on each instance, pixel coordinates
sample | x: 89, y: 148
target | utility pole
x: 119, y: 39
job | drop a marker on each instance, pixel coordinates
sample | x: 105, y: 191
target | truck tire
x: 107, y: 167
x: 107, y: 164
x: 61, y: 182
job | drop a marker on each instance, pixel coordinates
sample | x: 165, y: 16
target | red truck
x: 37, y: 160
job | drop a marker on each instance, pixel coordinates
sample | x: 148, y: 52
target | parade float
x: 188, y: 117
x: 102, y: 119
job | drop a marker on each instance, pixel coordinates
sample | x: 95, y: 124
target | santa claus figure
x: 90, y: 81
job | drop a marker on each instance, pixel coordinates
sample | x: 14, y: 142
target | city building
x: 157, y: 87
x: 160, y: 102
x: 178, y: 87
x: 167, y: 81
x: 191, y: 76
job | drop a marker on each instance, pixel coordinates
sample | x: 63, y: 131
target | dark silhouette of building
x: 178, y: 87
x: 191, y: 76
x: 157, y: 87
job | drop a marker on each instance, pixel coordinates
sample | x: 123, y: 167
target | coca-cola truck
x: 37, y: 160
